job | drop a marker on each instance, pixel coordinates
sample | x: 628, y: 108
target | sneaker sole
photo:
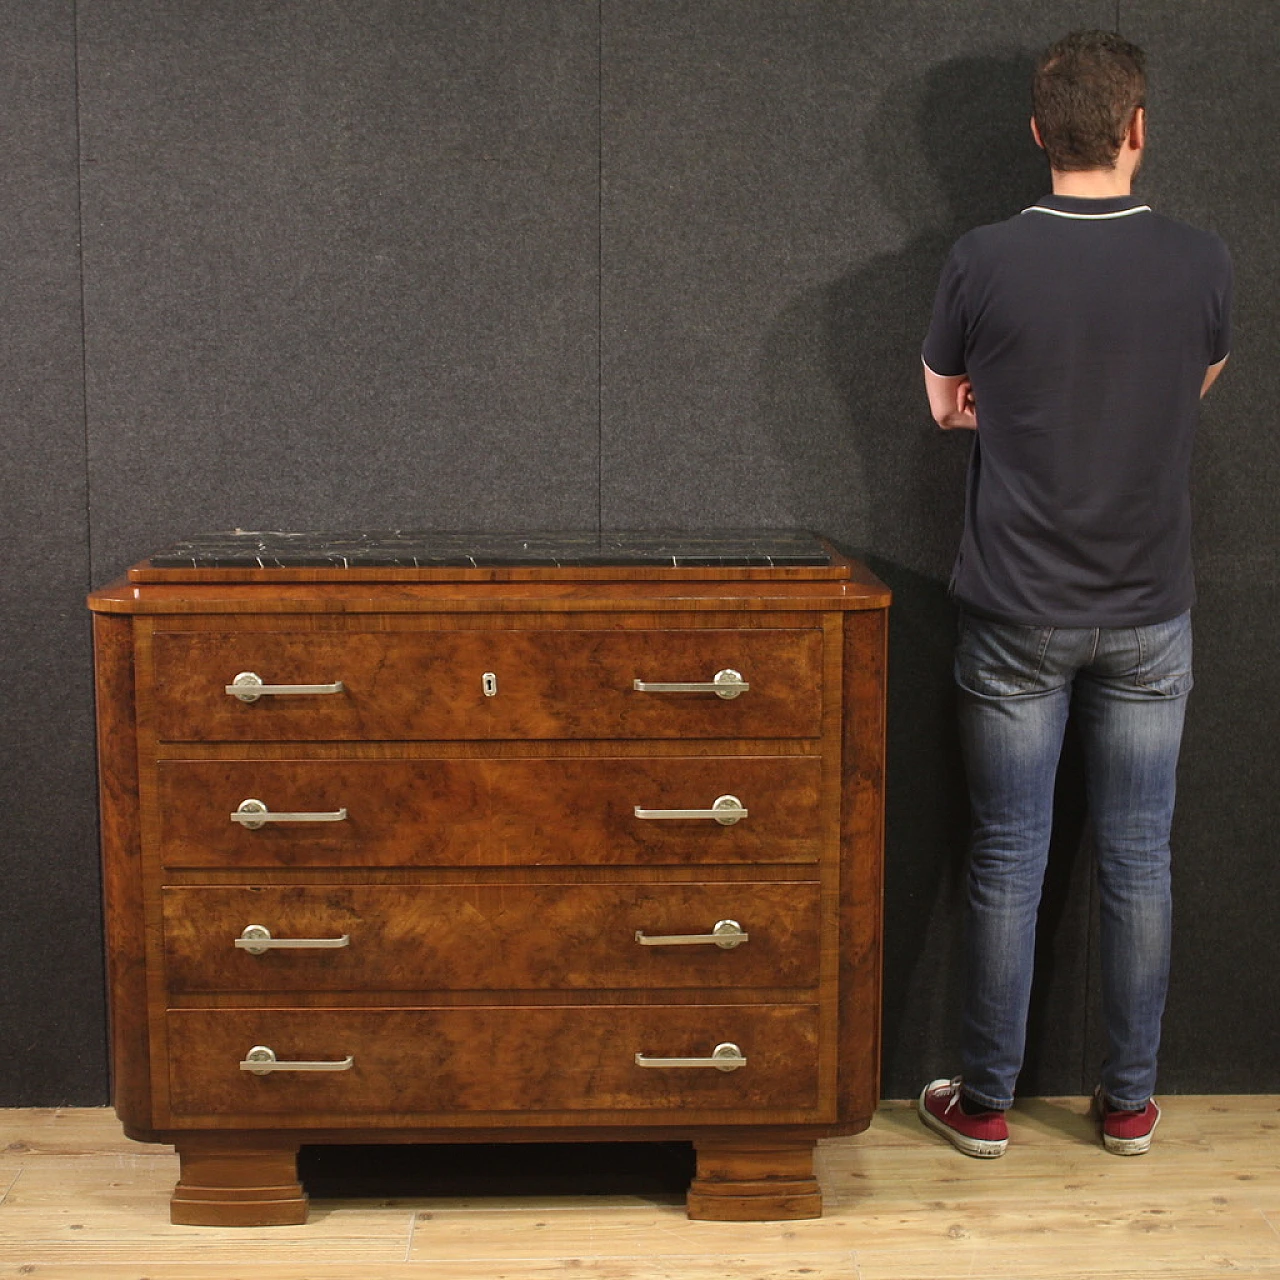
x: 1123, y: 1146
x: 1129, y: 1146
x: 979, y: 1148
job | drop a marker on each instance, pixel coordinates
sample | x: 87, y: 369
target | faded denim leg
x: 1131, y: 703
x: 1014, y: 693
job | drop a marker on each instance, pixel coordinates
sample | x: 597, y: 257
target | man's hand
x: 951, y: 401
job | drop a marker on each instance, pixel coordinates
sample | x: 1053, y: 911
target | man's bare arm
x: 951, y: 400
x: 1211, y: 375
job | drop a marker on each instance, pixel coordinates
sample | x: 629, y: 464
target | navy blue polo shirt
x: 1086, y: 327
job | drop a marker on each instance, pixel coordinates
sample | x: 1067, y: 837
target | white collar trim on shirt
x: 1063, y: 213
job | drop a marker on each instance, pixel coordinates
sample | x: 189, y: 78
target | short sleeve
x: 943, y: 351
x: 1223, y: 291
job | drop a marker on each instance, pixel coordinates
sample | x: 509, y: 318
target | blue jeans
x: 1127, y: 689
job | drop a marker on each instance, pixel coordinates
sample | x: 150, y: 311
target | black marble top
x: 245, y: 549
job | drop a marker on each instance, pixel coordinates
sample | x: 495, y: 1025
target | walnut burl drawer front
x: 461, y: 937
x: 489, y: 812
x: 552, y: 1058
x: 448, y: 685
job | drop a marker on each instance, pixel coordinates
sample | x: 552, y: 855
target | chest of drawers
x: 499, y: 854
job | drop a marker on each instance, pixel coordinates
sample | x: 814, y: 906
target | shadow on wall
x: 947, y: 151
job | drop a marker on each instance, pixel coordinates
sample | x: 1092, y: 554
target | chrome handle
x: 248, y: 687
x: 255, y: 940
x: 724, y: 1057
x: 727, y: 934
x: 724, y: 684
x: 262, y: 1061
x: 726, y: 810
x: 253, y: 814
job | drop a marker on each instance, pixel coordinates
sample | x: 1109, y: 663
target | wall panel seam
x: 103, y: 1030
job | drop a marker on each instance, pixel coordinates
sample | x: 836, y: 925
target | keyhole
x: 489, y: 682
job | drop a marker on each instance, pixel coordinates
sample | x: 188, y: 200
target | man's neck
x: 1092, y: 184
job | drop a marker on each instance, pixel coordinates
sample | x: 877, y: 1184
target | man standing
x: 1076, y: 338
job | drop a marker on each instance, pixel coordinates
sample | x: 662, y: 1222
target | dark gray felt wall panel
x: 341, y: 266
x: 636, y: 262
x: 1215, y: 161
x: 780, y: 184
x: 51, y: 1021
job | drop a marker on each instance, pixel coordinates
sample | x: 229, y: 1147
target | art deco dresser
x: 431, y: 839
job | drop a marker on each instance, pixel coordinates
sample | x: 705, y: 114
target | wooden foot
x: 754, y: 1182
x: 225, y: 1185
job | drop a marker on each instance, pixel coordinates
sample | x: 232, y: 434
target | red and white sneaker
x: 985, y: 1135
x: 1125, y: 1133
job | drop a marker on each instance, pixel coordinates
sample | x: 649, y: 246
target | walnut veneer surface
x: 481, y: 858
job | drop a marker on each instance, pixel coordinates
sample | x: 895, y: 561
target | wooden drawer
x: 495, y: 1060
x: 430, y: 684
x: 462, y: 937
x: 490, y: 812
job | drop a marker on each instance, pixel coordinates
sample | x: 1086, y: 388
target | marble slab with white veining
x: 241, y: 548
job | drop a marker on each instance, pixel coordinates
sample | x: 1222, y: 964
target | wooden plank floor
x: 80, y: 1202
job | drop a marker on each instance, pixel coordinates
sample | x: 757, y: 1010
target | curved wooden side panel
x: 122, y: 878
x: 862, y: 865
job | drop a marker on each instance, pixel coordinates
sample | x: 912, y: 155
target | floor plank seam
x: 11, y: 1185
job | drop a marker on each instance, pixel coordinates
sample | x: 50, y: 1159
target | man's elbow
x: 950, y: 399
x: 944, y: 411
x: 954, y: 420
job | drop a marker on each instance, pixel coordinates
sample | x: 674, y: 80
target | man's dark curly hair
x: 1086, y: 89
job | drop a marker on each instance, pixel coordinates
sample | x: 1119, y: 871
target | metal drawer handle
x: 727, y: 934
x: 248, y: 687
x: 256, y: 939
x: 724, y: 1057
x: 253, y: 814
x: 726, y: 810
x: 262, y: 1061
x: 724, y: 684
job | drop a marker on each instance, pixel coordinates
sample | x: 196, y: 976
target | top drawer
x: 441, y: 685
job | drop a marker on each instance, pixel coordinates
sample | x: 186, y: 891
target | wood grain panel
x: 489, y: 812
x: 428, y: 685
x: 557, y: 1059
x: 491, y: 937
